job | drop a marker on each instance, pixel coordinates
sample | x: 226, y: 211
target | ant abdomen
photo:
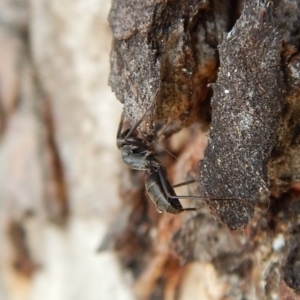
x: 138, y: 154
x: 156, y: 192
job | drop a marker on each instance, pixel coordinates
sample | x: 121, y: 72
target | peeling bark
x: 246, y: 113
x: 60, y: 168
x: 252, y: 154
x: 164, y: 53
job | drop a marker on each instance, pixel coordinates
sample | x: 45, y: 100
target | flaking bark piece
x: 246, y: 111
x: 164, y: 54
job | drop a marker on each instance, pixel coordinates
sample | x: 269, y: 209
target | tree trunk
x: 219, y: 80
x: 233, y: 66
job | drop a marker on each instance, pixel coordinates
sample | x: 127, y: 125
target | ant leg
x: 167, y: 131
x: 126, y: 140
x: 184, y: 183
x: 131, y: 130
x: 120, y: 126
x: 165, y: 183
x: 137, y: 124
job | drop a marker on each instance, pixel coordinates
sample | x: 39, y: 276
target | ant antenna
x: 153, y: 142
x: 138, y: 123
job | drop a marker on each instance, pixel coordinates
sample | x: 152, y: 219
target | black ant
x: 138, y: 154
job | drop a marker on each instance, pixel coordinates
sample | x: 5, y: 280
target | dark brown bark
x: 167, y: 55
x: 59, y: 162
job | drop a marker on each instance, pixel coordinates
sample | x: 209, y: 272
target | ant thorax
x: 139, y: 154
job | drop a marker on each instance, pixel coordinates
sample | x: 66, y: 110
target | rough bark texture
x: 252, y: 157
x: 247, y: 107
x: 61, y: 171
x: 163, y: 53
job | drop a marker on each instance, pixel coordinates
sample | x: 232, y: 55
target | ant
x: 138, y: 154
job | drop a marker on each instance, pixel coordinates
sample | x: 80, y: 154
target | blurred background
x: 59, y: 163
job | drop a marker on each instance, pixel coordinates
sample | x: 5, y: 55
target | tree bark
x: 233, y: 66
x: 64, y: 191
